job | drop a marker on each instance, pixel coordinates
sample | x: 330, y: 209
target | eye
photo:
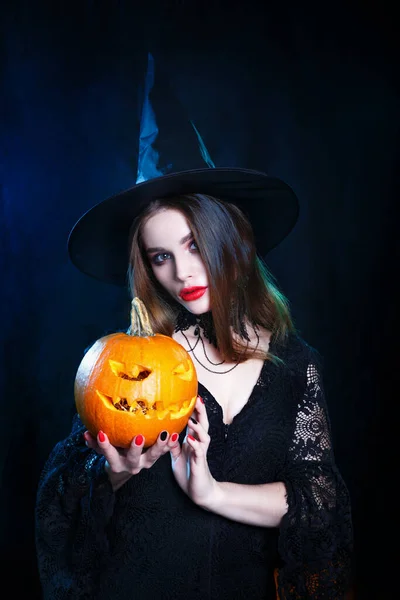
x: 193, y: 247
x: 159, y: 259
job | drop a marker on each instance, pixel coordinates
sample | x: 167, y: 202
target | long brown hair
x: 225, y: 240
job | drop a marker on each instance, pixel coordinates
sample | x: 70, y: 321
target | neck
x: 188, y: 321
x: 195, y: 329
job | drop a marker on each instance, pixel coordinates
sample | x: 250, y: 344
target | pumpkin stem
x: 140, y: 322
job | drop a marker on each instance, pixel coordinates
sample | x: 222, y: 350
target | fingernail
x: 191, y: 438
x: 163, y: 435
x: 85, y: 436
x: 174, y: 437
x: 139, y: 440
x: 201, y: 399
x: 193, y: 420
x: 102, y: 437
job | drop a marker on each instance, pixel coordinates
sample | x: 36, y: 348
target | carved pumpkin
x: 135, y: 383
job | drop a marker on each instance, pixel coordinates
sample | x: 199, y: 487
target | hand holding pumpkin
x: 122, y: 463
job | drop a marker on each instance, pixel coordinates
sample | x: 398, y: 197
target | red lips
x: 192, y: 293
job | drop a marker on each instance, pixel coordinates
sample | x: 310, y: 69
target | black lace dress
x: 149, y: 540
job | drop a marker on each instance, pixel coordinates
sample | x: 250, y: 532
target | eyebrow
x: 185, y: 239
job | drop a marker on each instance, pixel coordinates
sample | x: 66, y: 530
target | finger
x: 159, y: 448
x: 173, y: 441
x: 132, y: 456
x: 196, y: 415
x: 110, y: 452
x: 90, y: 441
x: 200, y: 413
x: 199, y: 432
x: 187, y: 449
x: 174, y: 446
x: 197, y: 448
x: 189, y: 429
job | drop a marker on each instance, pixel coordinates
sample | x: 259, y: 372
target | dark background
x: 306, y: 93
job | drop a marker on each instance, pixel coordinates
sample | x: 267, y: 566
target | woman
x: 247, y: 501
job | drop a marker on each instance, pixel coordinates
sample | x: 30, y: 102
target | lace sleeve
x: 315, y: 541
x: 73, y: 504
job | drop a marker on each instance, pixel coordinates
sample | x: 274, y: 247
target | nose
x: 184, y: 267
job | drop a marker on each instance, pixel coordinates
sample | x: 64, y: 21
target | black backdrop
x: 306, y: 94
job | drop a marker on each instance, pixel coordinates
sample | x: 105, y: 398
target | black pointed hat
x: 98, y: 242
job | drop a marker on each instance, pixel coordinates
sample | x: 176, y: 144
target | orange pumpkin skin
x: 152, y: 376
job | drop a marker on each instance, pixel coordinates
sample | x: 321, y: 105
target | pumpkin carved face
x: 131, y: 384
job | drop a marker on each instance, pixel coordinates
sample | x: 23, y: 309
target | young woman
x: 247, y: 502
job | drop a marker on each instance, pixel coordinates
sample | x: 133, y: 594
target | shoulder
x: 296, y: 353
x: 299, y: 369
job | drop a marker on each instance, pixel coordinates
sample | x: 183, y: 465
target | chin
x: 200, y: 306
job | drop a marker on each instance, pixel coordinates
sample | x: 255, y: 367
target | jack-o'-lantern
x: 135, y: 383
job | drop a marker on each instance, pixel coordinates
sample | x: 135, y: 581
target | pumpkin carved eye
x: 184, y: 371
x: 137, y: 372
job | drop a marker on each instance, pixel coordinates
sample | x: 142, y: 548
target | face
x: 175, y: 259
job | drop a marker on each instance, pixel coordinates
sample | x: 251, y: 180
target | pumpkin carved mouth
x: 150, y: 410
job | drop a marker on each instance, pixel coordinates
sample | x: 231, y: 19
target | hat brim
x: 98, y: 242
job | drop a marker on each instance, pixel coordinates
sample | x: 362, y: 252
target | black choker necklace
x: 186, y: 319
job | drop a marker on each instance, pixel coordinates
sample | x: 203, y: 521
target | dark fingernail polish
x: 163, y: 435
x: 193, y: 420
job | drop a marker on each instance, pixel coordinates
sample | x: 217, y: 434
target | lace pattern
x: 316, y: 533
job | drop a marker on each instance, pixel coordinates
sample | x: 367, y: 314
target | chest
x: 232, y: 389
x: 230, y: 384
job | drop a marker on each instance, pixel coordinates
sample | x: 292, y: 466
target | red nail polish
x: 174, y: 437
x: 191, y: 438
x: 102, y: 437
x: 139, y: 440
x: 201, y: 399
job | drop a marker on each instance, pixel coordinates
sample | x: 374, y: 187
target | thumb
x: 176, y: 453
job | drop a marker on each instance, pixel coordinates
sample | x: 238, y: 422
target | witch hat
x: 98, y: 244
